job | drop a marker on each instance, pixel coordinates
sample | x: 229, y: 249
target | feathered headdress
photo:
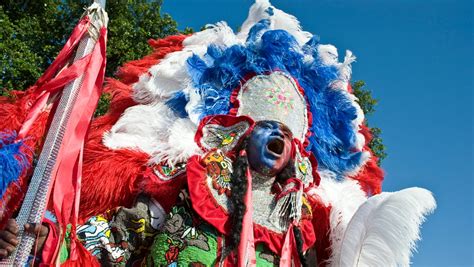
x: 201, y: 78
x: 270, y: 69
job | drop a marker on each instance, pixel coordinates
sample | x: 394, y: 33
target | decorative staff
x: 57, y: 174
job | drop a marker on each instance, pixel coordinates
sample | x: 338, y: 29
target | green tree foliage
x: 368, y: 103
x: 33, y: 32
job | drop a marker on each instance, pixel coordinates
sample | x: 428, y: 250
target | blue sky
x: 416, y: 57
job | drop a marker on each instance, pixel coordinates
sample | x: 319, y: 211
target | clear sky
x: 416, y: 57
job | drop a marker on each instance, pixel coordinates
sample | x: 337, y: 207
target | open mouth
x: 276, y: 146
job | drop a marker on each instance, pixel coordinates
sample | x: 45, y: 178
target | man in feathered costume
x: 240, y: 149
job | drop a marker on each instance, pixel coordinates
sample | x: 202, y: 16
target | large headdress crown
x: 270, y: 69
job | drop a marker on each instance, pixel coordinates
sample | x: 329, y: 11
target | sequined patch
x: 224, y: 138
x: 187, y: 241
x: 219, y: 170
x: 281, y: 97
x: 95, y: 235
x: 184, y: 241
x: 275, y: 97
x: 166, y: 172
x: 304, y: 169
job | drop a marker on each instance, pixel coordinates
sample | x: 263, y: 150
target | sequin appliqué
x: 219, y: 170
x: 281, y: 97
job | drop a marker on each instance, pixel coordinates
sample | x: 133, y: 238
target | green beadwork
x: 184, y: 244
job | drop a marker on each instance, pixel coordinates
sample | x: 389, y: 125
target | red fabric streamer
x: 66, y: 174
x: 288, y: 250
x: 47, y: 84
x: 52, y: 86
x: 51, y: 241
x: 68, y: 169
x: 27, y: 113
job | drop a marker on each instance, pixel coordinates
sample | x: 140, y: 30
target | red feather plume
x: 110, y: 176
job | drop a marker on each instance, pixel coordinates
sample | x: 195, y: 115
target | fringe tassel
x: 288, y: 208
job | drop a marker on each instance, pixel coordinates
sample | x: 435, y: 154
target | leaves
x: 131, y: 25
x: 33, y: 32
x: 368, y: 103
x: 103, y: 105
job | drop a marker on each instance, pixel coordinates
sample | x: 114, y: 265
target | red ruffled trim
x: 201, y: 197
x: 234, y: 101
x: 312, y: 160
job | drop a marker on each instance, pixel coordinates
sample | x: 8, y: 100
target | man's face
x: 269, y: 147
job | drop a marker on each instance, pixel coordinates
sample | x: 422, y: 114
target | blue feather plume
x: 177, y: 103
x: 221, y: 70
x: 13, y: 160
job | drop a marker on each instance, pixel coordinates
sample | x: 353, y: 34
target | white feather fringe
x: 328, y: 54
x: 345, y: 69
x: 344, y: 197
x: 155, y: 130
x: 141, y: 127
x: 163, y: 79
x: 180, y: 145
x: 279, y: 20
x: 219, y: 34
x: 170, y: 75
x: 384, y: 230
